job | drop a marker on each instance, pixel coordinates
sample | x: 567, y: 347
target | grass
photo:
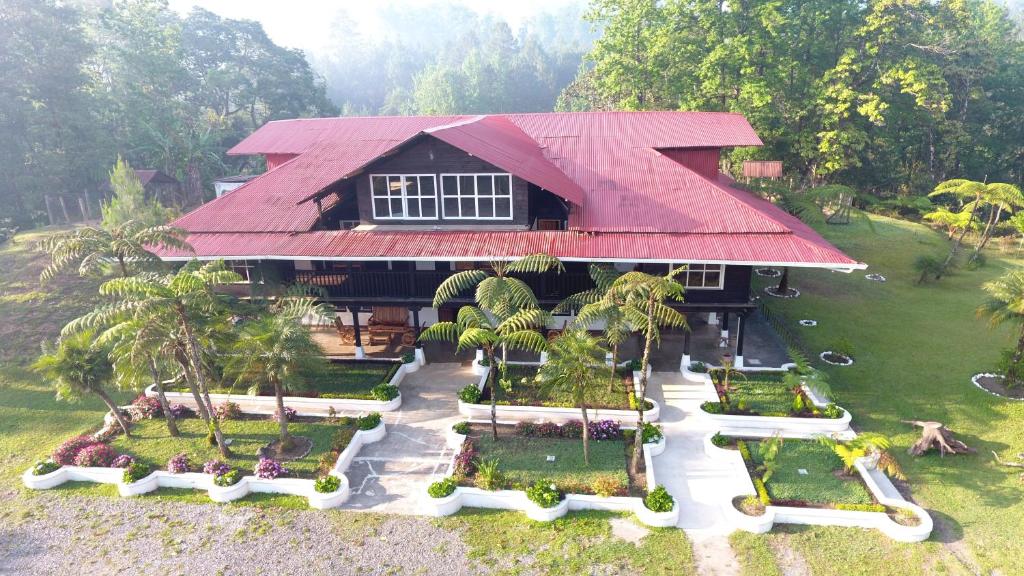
x: 531, y: 393
x: 523, y: 461
x: 819, y: 486
x: 754, y: 554
x: 151, y: 443
x: 580, y: 543
x: 352, y: 379
x: 762, y: 394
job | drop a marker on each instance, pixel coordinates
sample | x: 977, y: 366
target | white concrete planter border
x: 517, y: 500
x: 877, y: 482
x: 767, y: 272
x: 303, y: 406
x: 975, y: 380
x: 793, y: 293
x: 875, y: 277
x: 198, y: 481
x: 559, y: 415
x: 808, y: 323
x: 827, y: 352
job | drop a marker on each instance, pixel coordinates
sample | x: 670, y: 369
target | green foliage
x: 442, y: 488
x: 135, y: 471
x: 609, y: 485
x: 928, y: 267
x: 762, y: 492
x: 659, y: 500
x: 408, y: 358
x: 712, y: 407
x: 768, y: 451
x: 129, y: 202
x: 488, y: 477
x: 369, y: 421
x: 470, y: 394
x: 385, y: 392
x: 76, y: 365
x: 860, y: 507
x: 720, y: 440
x: 327, y: 484
x: 229, y: 478
x: 820, y: 486
x: 523, y: 461
x: 96, y: 250
x: 842, y: 346
x: 544, y: 493
x: 652, y: 433
x: 44, y: 467
x: 461, y: 427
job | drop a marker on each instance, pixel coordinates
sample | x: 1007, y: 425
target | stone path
x: 390, y: 475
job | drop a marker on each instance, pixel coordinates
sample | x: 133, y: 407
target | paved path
x: 390, y: 475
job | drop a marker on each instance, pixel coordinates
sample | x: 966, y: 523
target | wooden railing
x: 782, y: 327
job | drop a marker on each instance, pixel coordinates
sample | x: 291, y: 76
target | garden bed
x: 996, y: 384
x: 765, y: 394
x: 809, y: 475
x: 337, y: 378
x: 526, y: 391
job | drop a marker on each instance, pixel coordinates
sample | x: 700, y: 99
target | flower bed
x: 995, y: 384
x: 765, y: 395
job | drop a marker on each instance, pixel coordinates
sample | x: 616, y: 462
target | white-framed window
x: 404, y: 196
x: 244, y: 268
x: 476, y: 196
x: 702, y: 276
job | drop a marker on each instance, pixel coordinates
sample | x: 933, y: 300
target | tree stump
x: 936, y: 435
x: 1011, y: 464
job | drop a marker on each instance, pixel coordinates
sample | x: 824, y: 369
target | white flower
x: 553, y: 488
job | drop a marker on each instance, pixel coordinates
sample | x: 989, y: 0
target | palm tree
x: 969, y: 193
x: 592, y: 306
x: 93, y: 248
x: 1000, y: 198
x: 575, y: 365
x: 78, y: 366
x: 273, y: 349
x: 1005, y: 303
x: 643, y: 299
x: 506, y: 314
x: 185, y: 308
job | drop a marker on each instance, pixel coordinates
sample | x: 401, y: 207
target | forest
x: 887, y: 96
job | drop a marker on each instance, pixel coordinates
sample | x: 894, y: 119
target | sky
x: 306, y: 24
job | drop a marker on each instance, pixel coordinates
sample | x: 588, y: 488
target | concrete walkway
x: 390, y: 475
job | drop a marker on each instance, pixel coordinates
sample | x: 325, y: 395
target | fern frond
x: 456, y: 284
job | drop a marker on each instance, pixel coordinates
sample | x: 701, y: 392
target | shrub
x: 744, y: 450
x: 1013, y: 371
x: 699, y: 367
x: 369, y: 421
x: 465, y: 462
x: 66, y: 452
x: 229, y: 478
x: 485, y: 361
x: 179, y: 464
x: 470, y: 394
x: 408, y: 358
x: 762, y: 492
x: 606, y: 486
x: 122, y: 461
x: 268, y: 469
x: 861, y: 507
x: 719, y: 440
x: 526, y: 429
x: 572, y: 429
x: 227, y: 411
x: 289, y: 414
x: 652, y: 433
x: 327, y: 484
x: 215, y: 467
x: 604, y: 430
x: 44, y: 467
x: 842, y: 347
x: 659, y: 500
x: 461, y: 427
x: 635, y: 364
x: 442, y: 488
x: 145, y: 407
x: 548, y: 430
x: 488, y: 476
x: 95, y: 455
x: 712, y: 407
x: 181, y: 411
x: 134, y: 472
x: 544, y: 494
x: 832, y: 411
x: 384, y: 392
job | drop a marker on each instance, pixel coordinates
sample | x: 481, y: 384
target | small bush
x: 1013, y: 371
x: 384, y: 392
x: 526, y: 429
x: 832, y: 411
x: 95, y: 455
x: 606, y: 486
x: 408, y: 358
x: 181, y: 411
x: 122, y: 461
x: 698, y: 367
x: 572, y: 429
x: 762, y: 492
x: 268, y: 469
x: 712, y: 407
x: 229, y: 478
x: 719, y: 440
x: 44, y: 467
x: 659, y: 500
x: 215, y: 467
x: 548, y: 430
x: 369, y: 421
x: 179, y: 464
x: 134, y: 472
x: 145, y: 407
x: 488, y: 477
x: 470, y: 394
x: 327, y: 484
x: 604, y: 430
x: 66, y: 452
x: 842, y: 347
x: 544, y: 494
x: 652, y: 433
x: 635, y: 364
x: 442, y: 488
x: 461, y: 427
x: 744, y: 450
x: 227, y: 411
x: 861, y: 507
x: 485, y: 361
x: 465, y: 462
x: 289, y: 414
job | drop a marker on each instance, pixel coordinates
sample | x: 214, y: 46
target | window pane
x: 503, y: 185
x: 411, y: 187
x: 712, y: 279
x: 486, y: 207
x: 426, y: 186
x: 379, y: 185
x: 468, y: 207
x: 396, y: 208
x: 395, y: 185
x: 484, y: 186
x: 428, y: 208
x: 449, y: 186
x: 695, y: 279
x: 451, y: 207
x: 380, y: 207
x: 414, y: 207
x: 466, y: 187
x: 503, y: 207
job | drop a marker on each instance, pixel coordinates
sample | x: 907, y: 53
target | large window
x: 702, y: 276
x: 477, y: 196
x: 405, y: 196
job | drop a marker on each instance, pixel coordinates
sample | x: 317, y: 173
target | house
x: 161, y: 186
x: 225, y: 184
x: 379, y: 210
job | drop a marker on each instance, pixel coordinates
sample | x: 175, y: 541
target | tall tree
x: 93, y: 249
x: 594, y: 307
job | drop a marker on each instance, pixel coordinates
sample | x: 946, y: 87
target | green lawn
x: 807, y: 473
x: 530, y: 393
x: 353, y: 379
x: 151, y: 442
x: 523, y: 461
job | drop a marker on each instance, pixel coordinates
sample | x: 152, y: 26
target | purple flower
x: 216, y: 467
x: 268, y: 469
x: 66, y: 452
x: 605, y: 430
x: 122, y: 461
x: 146, y: 407
x: 181, y: 411
x: 547, y: 430
x: 178, y: 464
x: 95, y: 455
x: 289, y: 414
x: 572, y: 429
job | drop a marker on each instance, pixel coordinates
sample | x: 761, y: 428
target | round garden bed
x: 768, y: 272
x: 300, y: 448
x: 835, y: 359
x: 808, y: 323
x: 875, y: 277
x: 995, y: 384
x: 789, y: 293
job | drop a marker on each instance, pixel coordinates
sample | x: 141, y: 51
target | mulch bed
x: 790, y: 293
x: 301, y: 446
x: 997, y: 385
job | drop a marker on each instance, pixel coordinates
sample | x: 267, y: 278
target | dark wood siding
x: 432, y: 156
x: 735, y: 289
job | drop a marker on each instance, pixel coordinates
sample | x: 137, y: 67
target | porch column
x: 420, y: 357
x: 359, y: 337
x: 741, y: 325
x: 684, y: 363
x: 724, y: 343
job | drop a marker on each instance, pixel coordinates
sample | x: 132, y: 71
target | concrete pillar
x: 741, y: 324
x: 360, y: 353
x: 684, y: 362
